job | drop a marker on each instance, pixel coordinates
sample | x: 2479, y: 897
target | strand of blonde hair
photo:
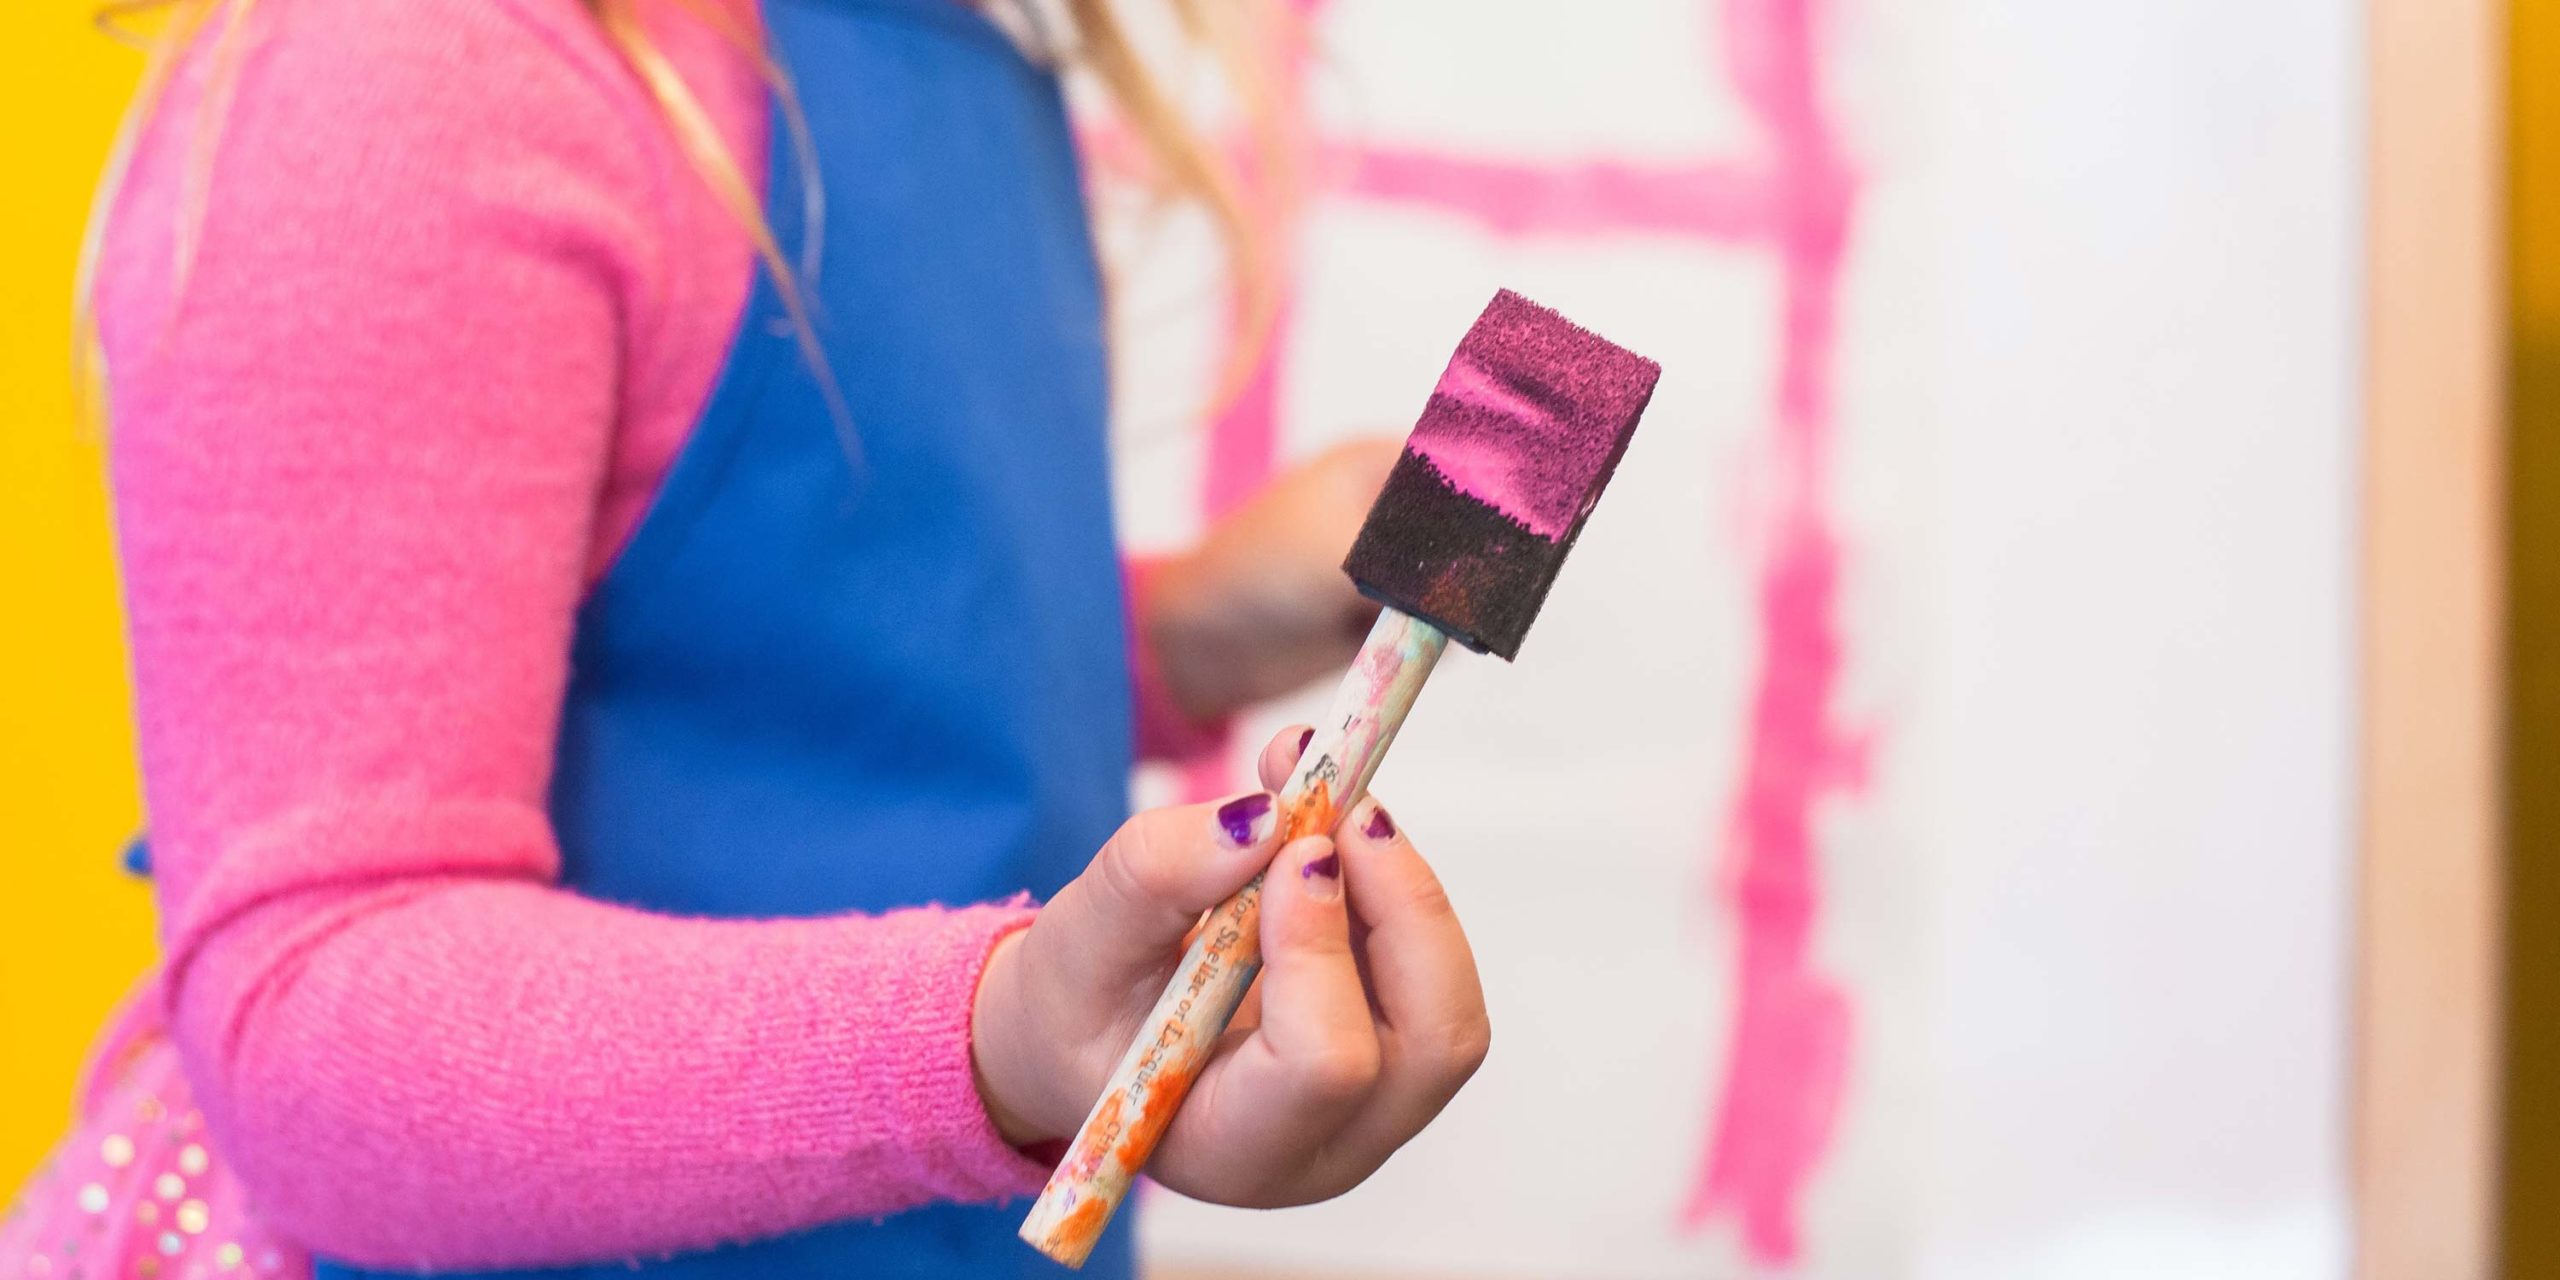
x: 1183, y: 164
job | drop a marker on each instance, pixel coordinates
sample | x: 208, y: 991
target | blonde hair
x: 1181, y: 163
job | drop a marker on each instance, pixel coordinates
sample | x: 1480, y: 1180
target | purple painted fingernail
x: 1379, y: 826
x: 1322, y: 877
x: 1304, y: 737
x: 1246, y: 819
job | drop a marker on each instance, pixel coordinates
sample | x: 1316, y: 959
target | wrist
x: 996, y: 1045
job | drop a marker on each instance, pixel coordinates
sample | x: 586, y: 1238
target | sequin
x: 171, y: 1242
x: 151, y: 1110
x: 228, y: 1256
x: 117, y: 1151
x: 192, y: 1216
x: 93, y: 1198
x: 169, y: 1186
x: 146, y: 1212
x: 192, y: 1161
x: 147, y: 1268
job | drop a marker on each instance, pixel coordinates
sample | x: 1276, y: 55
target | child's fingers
x: 1280, y: 755
x: 1416, y: 949
x: 1137, y: 899
x: 1316, y: 1026
x: 1421, y: 971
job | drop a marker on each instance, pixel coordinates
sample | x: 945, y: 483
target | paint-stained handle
x: 1148, y: 1085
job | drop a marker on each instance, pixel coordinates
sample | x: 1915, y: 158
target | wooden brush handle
x: 1226, y: 952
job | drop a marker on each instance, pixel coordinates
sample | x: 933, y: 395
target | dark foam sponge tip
x: 1520, y: 436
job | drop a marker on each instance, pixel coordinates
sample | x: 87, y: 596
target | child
x: 572, y: 664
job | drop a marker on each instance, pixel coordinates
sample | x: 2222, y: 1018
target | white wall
x: 2093, y: 486
x: 2143, y: 889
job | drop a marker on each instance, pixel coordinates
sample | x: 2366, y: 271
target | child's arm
x: 1258, y: 608
x: 356, y: 478
x: 1167, y: 730
x: 356, y: 482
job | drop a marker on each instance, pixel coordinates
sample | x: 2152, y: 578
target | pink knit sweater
x: 456, y: 301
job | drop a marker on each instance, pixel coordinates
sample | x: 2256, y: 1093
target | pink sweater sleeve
x: 358, y: 472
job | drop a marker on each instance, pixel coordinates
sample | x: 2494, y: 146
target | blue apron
x: 833, y: 674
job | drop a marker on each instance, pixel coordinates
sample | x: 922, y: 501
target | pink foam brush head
x: 1520, y: 436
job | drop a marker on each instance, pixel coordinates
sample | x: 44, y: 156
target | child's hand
x: 1260, y: 607
x: 1366, y: 1020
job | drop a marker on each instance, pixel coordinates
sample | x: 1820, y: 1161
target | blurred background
x: 1951, y: 721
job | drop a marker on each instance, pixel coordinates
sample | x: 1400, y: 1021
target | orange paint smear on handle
x: 1075, y: 1237
x: 1313, y: 816
x: 1164, y: 1097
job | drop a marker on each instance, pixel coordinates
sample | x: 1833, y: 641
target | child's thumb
x: 1148, y: 886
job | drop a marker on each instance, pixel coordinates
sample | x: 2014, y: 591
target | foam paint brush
x: 1522, y: 432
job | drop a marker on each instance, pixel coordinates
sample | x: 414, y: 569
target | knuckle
x: 1469, y: 1045
x: 1453, y: 1054
x: 1133, y: 864
x: 1426, y: 898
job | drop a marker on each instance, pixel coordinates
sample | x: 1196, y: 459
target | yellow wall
x: 73, y: 929
x: 2533, y: 98
x: 2533, y: 1001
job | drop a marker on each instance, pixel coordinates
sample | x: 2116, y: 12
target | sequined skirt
x: 136, y: 1191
